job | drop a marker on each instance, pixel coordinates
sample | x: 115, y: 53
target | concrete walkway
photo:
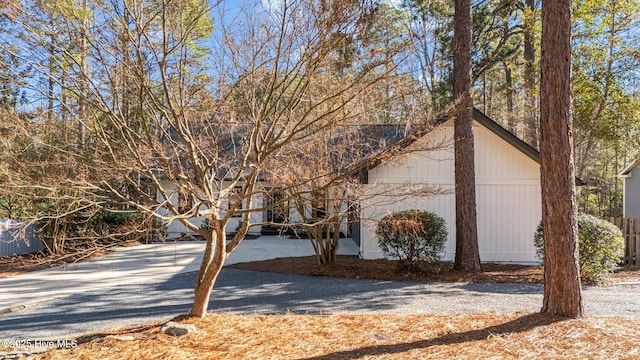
x: 139, y: 264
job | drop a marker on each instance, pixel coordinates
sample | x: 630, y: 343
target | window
x: 318, y: 203
x: 277, y: 209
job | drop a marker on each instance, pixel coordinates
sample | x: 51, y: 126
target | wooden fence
x: 631, y: 233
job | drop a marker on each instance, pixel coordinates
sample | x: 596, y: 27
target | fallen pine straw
x: 443, y: 336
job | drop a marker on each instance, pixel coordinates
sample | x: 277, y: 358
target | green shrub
x: 415, y: 237
x: 600, y: 245
x: 121, y: 217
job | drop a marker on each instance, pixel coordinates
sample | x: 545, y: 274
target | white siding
x: 507, y: 219
x: 430, y: 167
x: 499, y: 162
x: 176, y: 229
x: 632, y: 194
x: 507, y: 195
x: 382, y: 205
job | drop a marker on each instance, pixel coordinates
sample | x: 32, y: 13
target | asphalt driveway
x: 142, y: 299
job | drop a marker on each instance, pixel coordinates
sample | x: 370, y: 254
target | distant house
x: 16, y: 239
x: 631, y: 192
x: 508, y: 194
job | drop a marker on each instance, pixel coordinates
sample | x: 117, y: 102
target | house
x: 508, y: 194
x: 176, y: 229
x: 276, y: 210
x: 631, y: 190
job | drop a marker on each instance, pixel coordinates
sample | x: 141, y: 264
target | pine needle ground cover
x: 438, y: 336
x: 450, y: 336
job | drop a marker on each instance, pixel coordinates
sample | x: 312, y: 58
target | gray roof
x: 380, y: 141
x: 506, y: 135
x: 625, y: 172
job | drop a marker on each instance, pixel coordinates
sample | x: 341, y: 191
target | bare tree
x: 207, y: 139
x: 562, y: 294
x: 323, y: 182
x: 424, y: 25
x: 319, y: 183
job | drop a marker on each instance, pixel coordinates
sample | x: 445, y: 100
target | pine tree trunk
x: 508, y: 79
x: 467, y: 255
x: 82, y: 107
x: 531, y: 125
x: 562, y: 294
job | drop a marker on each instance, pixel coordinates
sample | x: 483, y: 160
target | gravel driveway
x: 248, y: 292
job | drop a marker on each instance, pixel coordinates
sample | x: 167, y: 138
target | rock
x: 379, y: 337
x: 122, y: 337
x: 89, y: 338
x: 175, y: 329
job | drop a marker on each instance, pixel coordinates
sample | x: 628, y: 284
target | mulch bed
x: 16, y: 265
x: 352, y: 267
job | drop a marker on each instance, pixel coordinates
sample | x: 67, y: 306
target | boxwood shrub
x: 415, y: 237
x: 600, y: 246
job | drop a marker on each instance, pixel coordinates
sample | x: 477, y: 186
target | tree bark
x: 84, y: 73
x: 562, y: 294
x: 508, y: 79
x: 531, y: 125
x: 214, y: 256
x: 467, y: 254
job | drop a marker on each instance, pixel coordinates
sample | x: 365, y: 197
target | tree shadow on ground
x: 521, y: 324
x: 513, y: 289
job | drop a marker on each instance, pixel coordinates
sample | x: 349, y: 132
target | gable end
x: 506, y: 135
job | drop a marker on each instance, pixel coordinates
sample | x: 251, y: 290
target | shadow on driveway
x: 250, y: 292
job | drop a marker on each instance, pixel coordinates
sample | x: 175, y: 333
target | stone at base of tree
x: 122, y: 337
x: 175, y: 329
x: 89, y: 338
